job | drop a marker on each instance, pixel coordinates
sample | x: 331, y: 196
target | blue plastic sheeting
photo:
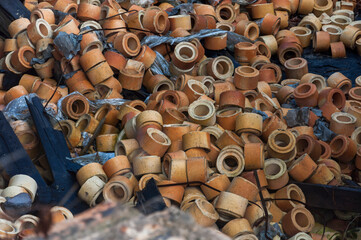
x: 98, y: 157
x: 322, y: 132
x: 160, y: 65
x: 18, y: 205
x: 153, y: 40
x: 263, y: 114
x: 181, y: 9
x: 68, y: 44
x: 323, y: 64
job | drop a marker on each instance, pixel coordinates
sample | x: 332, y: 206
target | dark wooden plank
x: 332, y: 197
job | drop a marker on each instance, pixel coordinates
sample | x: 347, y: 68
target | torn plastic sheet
x: 153, y: 40
x: 86, y: 138
x: 181, y: 9
x: 160, y: 65
x: 114, y: 101
x: 291, y: 103
x: 18, y: 205
x: 317, y: 111
x: 17, y: 109
x: 46, y: 54
x: 273, y: 230
x: 59, y: 15
x: 297, y: 117
x: 68, y: 44
x: 322, y: 132
x: 234, y: 38
x: 98, y: 157
x: 263, y: 114
x: 244, y: 2
x: 93, y: 105
x: 10, y: 79
x: 101, y: 37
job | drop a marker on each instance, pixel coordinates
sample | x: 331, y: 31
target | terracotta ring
x: 99, y: 73
x: 281, y: 144
x: 13, y: 93
x: 253, y: 156
x: 180, y: 21
x: 91, y: 58
x: 304, y: 35
x: 262, y: 49
x: 17, y: 26
x: 73, y: 134
x: 270, y: 24
x: 146, y: 56
x: 194, y: 89
x: 21, y: 58
x: 202, y: 112
x: 290, y: 222
x: 196, y: 139
x: 128, y: 44
x: 67, y: 6
x: 230, y: 161
x: 225, y: 13
x: 302, y: 168
x: 26, y: 182
x: 146, y: 165
x: 74, y: 106
x: 338, y: 80
x: 322, y: 175
x: 315, y: 79
x: 248, y: 29
x: 249, y: 122
x: 90, y: 41
x: 343, y: 123
x: 154, y: 142
x: 244, y: 52
x: 185, y: 55
x: 244, y: 188
x: 204, y: 9
x: 296, y: 68
x: 276, y: 69
x: 216, y: 42
x: 349, y: 36
x: 276, y: 173
x: 38, y: 30
x: 203, y: 212
x: 311, y: 22
x: 87, y: 123
x: 218, y: 181
x: 340, y: 20
x: 91, y: 190
x: 230, y: 205
x: 155, y: 20
x: 288, y: 50
x: 232, y: 99
x: 334, y: 31
x: 118, y: 189
x: 323, y: 7
x: 306, y: 95
x: 258, y: 61
x: 260, y: 10
x: 131, y: 77
x: 271, y: 43
x: 90, y: 170
x: 291, y: 191
x: 46, y: 14
x: 88, y: 11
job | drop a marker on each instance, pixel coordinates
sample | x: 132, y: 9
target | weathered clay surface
x: 110, y: 222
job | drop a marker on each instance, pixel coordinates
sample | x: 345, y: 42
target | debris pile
x: 209, y: 105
